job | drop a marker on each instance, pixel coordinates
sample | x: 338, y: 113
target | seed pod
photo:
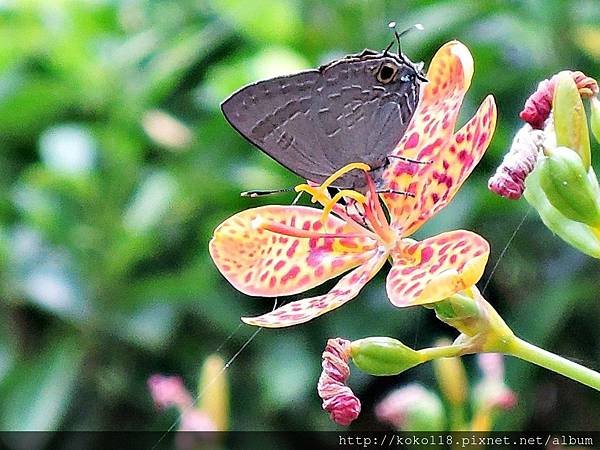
x: 565, y: 182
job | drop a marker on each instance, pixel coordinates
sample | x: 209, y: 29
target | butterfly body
x: 355, y: 109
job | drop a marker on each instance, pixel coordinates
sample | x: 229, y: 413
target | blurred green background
x: 116, y: 165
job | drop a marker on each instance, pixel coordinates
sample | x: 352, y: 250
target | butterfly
x: 314, y: 122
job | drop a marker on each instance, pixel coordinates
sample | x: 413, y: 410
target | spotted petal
x: 258, y: 260
x: 436, y: 268
x: 307, y: 309
x: 430, y: 137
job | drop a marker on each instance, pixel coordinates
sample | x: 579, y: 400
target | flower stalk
x: 528, y: 352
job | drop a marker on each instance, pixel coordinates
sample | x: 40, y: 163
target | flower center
x: 374, y: 215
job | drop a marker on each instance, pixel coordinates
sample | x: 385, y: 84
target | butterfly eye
x: 387, y: 72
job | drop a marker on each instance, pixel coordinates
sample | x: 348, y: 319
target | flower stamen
x: 328, y: 207
x: 286, y: 230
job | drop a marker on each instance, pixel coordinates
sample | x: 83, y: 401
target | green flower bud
x: 457, y: 307
x: 570, y: 121
x: 383, y: 356
x: 595, y: 117
x: 577, y: 234
x: 564, y: 180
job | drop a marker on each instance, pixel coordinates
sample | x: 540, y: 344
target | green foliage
x: 116, y: 165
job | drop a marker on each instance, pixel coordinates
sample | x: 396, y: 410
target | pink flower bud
x: 539, y: 104
x: 506, y: 399
x: 509, y: 179
x: 169, y: 391
x: 338, y: 399
x: 491, y: 391
x: 491, y: 365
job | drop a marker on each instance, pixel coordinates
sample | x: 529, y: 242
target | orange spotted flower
x: 272, y: 251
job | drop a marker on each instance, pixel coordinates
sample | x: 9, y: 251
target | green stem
x: 457, y: 418
x: 529, y: 352
x: 446, y: 351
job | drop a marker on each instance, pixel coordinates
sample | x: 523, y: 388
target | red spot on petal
x: 426, y: 254
x: 336, y: 263
x: 290, y: 252
x: 279, y: 265
x: 291, y: 274
x: 408, y: 270
x: 413, y: 140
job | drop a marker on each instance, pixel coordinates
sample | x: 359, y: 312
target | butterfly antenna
x: 387, y: 49
x: 264, y: 192
x: 398, y: 35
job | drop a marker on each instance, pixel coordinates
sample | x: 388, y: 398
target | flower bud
x: 539, y: 104
x: 595, y: 117
x: 214, y: 389
x: 412, y: 408
x: 383, y: 356
x: 570, y: 121
x: 338, y: 399
x: 509, y: 179
x: 168, y: 391
x: 565, y: 182
x: 577, y: 234
x: 491, y: 394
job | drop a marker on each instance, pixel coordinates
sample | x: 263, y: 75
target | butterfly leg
x: 393, y: 191
x: 410, y: 160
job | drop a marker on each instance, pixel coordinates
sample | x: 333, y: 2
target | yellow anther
x: 318, y: 194
x: 360, y: 198
x: 343, y: 171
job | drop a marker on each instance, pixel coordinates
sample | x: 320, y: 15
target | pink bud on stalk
x: 167, y: 391
x: 539, y: 104
x: 338, y: 399
x: 519, y: 162
x: 492, y: 390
